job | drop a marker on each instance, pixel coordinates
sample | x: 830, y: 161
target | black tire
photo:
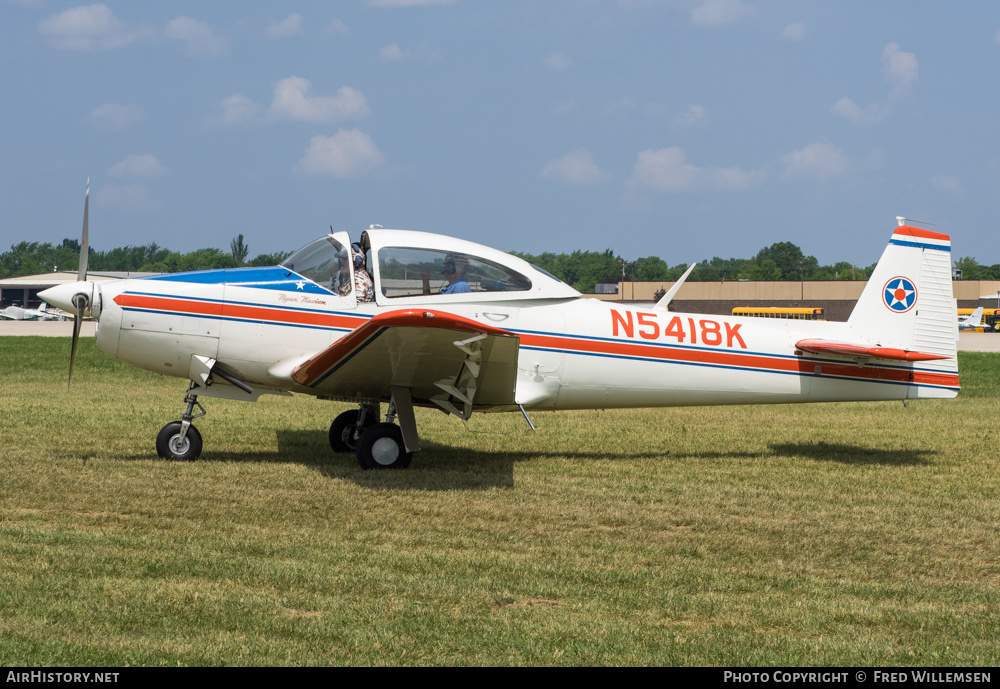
x: 169, y: 446
x: 381, y: 447
x: 344, y: 431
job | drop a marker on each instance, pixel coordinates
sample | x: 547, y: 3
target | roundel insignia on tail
x: 899, y: 294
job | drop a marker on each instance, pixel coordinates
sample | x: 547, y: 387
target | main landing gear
x: 377, y: 445
x: 179, y: 440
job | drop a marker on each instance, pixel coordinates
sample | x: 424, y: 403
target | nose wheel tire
x: 381, y: 447
x: 170, y: 445
x: 344, y: 431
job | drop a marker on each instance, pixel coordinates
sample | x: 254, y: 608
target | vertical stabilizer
x: 908, y: 301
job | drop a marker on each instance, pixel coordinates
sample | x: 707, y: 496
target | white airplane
x: 17, y: 313
x: 463, y: 328
x: 973, y: 321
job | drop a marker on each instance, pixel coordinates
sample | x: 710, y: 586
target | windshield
x: 319, y: 262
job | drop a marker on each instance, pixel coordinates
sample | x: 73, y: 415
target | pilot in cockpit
x: 454, y: 269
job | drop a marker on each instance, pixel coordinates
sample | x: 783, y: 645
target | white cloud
x: 348, y: 154
x: 391, y: 53
x: 558, y: 61
x: 138, y: 166
x: 292, y: 101
x: 863, y: 117
x: 576, y: 167
x: 718, y: 12
x: 198, y: 38
x: 666, y: 170
x: 795, y: 32
x: 286, y: 28
x: 694, y: 115
x: 114, y: 116
x: 900, y: 70
x: 337, y: 28
x: 950, y: 184
x: 236, y: 111
x: 819, y: 161
x: 90, y: 27
x: 408, y: 3
x: 132, y: 197
x: 424, y: 53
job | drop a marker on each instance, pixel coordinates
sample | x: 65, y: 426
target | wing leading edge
x: 444, y: 359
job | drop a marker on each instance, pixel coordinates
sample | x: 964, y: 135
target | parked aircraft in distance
x: 973, y: 322
x: 42, y: 313
x: 451, y: 325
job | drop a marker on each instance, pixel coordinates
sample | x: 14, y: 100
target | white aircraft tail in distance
x: 447, y: 324
x: 973, y: 322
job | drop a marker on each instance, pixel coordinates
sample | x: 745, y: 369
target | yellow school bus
x: 806, y: 314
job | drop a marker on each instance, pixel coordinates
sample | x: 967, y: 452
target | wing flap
x: 857, y: 351
x: 428, y: 352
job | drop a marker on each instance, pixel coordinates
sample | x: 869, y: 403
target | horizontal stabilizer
x: 864, y: 351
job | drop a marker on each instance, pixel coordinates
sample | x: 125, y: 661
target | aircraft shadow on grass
x: 450, y: 468
x: 827, y: 452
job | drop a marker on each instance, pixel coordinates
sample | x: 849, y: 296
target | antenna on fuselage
x: 664, y: 302
x: 900, y: 220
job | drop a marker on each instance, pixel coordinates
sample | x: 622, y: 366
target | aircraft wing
x: 444, y: 359
x: 857, y: 351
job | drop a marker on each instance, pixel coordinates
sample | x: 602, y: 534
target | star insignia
x: 899, y: 294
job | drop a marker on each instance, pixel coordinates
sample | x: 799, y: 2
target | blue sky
x: 683, y: 129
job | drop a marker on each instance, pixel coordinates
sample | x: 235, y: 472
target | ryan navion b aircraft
x: 412, y: 319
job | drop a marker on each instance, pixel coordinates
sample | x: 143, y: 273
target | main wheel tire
x: 344, y: 431
x: 382, y: 447
x: 170, y: 445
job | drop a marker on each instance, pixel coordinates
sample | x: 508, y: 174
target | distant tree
x: 581, y: 269
x: 760, y: 270
x: 971, y: 270
x: 239, y: 250
x: 264, y: 260
x: 789, y: 259
x: 718, y: 270
x: 650, y: 269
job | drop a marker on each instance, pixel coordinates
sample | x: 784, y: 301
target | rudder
x: 908, y: 302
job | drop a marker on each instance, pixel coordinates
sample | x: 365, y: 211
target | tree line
x: 581, y: 269
x: 28, y: 258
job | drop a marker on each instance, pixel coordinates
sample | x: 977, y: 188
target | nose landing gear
x: 179, y: 440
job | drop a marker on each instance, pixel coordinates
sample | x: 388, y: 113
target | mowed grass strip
x: 851, y: 534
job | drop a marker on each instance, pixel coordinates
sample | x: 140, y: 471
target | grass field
x: 854, y: 534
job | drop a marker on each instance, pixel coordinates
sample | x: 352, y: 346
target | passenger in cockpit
x: 340, y: 282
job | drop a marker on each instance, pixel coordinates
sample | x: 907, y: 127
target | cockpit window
x: 320, y: 262
x: 405, y: 272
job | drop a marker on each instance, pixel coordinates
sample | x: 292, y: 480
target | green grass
x: 852, y: 534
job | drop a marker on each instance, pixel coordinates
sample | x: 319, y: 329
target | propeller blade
x: 84, y: 249
x: 80, y: 301
x: 81, y: 305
